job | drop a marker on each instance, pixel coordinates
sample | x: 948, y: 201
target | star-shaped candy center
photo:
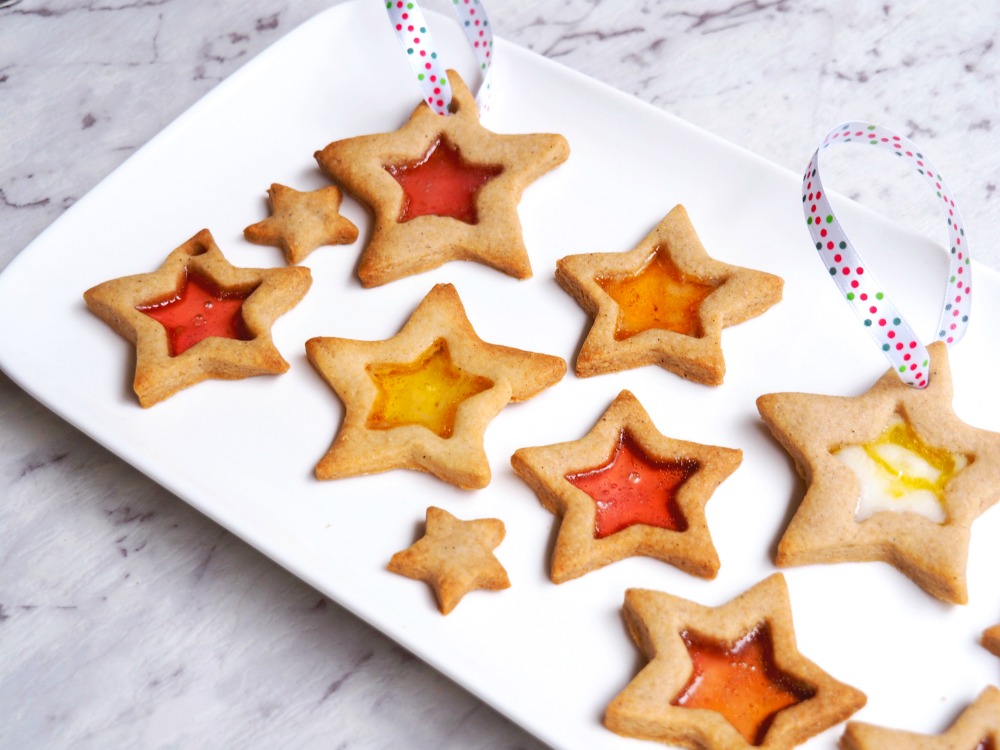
x: 899, y: 471
x: 441, y: 183
x: 197, y: 310
x: 740, y: 681
x: 658, y: 295
x: 426, y: 392
x: 633, y: 488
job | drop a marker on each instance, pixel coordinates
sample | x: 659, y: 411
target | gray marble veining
x: 127, y: 619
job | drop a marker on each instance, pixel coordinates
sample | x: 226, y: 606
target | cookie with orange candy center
x: 665, y: 302
x: 724, y: 678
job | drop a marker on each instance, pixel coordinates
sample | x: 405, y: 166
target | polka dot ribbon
x: 414, y: 36
x: 858, y: 285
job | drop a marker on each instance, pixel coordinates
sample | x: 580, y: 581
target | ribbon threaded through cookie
x: 415, y: 38
x: 859, y: 286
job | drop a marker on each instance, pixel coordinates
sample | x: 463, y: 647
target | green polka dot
x: 879, y: 295
x: 850, y: 295
x: 829, y: 219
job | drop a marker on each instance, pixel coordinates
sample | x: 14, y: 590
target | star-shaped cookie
x: 976, y: 728
x: 826, y: 528
x: 423, y: 399
x: 625, y: 489
x: 454, y: 557
x: 198, y: 317
x: 302, y: 221
x: 442, y: 188
x: 664, y: 303
x: 724, y: 678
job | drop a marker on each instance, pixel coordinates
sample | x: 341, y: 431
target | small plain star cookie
x: 302, y: 221
x: 664, y: 303
x: 422, y: 399
x: 724, y: 678
x: 454, y: 557
x: 198, y: 317
x: 977, y: 728
x: 892, y: 475
x: 624, y: 490
x: 442, y: 188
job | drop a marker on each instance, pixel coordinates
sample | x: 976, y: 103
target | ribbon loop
x: 415, y: 38
x: 859, y: 286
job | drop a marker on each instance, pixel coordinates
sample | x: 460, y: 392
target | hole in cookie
x: 657, y: 296
x: 631, y: 487
x: 898, y: 471
x: 741, y: 681
x: 441, y: 183
x: 985, y: 744
x: 425, y: 392
x: 199, y: 308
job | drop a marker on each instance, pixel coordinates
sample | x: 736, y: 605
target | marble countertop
x: 127, y: 619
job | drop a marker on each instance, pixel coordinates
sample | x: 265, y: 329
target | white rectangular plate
x: 550, y: 657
